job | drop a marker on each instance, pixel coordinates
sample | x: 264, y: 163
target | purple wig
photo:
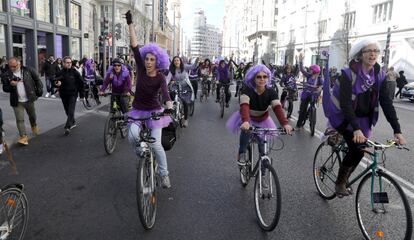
x: 124, y: 71
x: 251, y: 75
x: 163, y: 61
x: 89, y: 67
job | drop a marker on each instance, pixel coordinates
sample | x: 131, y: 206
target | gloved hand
x: 168, y: 111
x: 128, y: 17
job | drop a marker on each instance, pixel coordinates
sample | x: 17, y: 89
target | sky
x: 213, y: 9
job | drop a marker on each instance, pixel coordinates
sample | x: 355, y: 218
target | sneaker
x: 73, y: 126
x: 67, y: 131
x: 47, y: 95
x: 53, y: 96
x: 227, y: 105
x: 23, y: 140
x: 165, y: 182
x: 35, y: 130
x: 241, y: 159
x: 185, y: 123
x: 1, y: 148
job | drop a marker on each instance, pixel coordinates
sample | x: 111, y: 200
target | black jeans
x: 354, y: 154
x: 121, y: 100
x: 49, y: 85
x: 302, y: 111
x: 69, y: 104
x: 226, y: 90
x: 399, y: 92
x: 194, y: 83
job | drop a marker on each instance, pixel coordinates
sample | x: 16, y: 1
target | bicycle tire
x: 274, y: 216
x: 245, y: 170
x: 312, y: 120
x: 14, y: 199
x: 395, y: 214
x: 110, y: 135
x: 325, y: 169
x: 147, y: 205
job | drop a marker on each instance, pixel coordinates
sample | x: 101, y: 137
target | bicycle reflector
x: 11, y: 202
x: 379, y: 234
x: 380, y: 197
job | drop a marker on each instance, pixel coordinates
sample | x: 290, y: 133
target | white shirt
x: 21, y: 91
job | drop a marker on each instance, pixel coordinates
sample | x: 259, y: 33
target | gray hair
x: 357, y: 47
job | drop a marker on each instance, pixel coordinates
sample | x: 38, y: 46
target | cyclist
x: 119, y: 77
x: 360, y: 91
x: 206, y: 72
x: 149, y: 60
x: 311, y: 89
x: 89, y: 76
x: 257, y: 96
x: 178, y: 74
x: 223, y: 78
x: 289, y: 82
x: 238, y: 75
x: 194, y: 75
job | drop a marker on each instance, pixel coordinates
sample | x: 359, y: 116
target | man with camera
x: 24, y: 86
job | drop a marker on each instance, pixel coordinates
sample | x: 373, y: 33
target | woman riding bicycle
x: 360, y: 91
x: 289, y: 82
x: 119, y: 77
x: 238, y: 75
x: 179, y: 75
x: 257, y: 96
x: 149, y: 60
x: 89, y: 76
x: 311, y: 89
x: 206, y: 72
x: 223, y: 79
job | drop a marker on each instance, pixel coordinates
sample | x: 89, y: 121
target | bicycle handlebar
x: 280, y: 130
x: 154, y: 116
x: 390, y: 143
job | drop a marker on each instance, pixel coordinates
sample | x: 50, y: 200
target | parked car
x: 408, y: 91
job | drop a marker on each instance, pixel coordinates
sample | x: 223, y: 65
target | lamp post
x: 152, y: 39
x: 113, y: 30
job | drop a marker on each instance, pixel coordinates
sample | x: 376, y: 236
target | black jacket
x: 48, y: 69
x: 71, y: 82
x: 32, y: 84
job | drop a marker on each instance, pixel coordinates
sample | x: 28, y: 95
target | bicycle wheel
x: 110, y: 134
x: 191, y: 108
x: 383, y: 211
x: 325, y: 169
x: 89, y: 101
x: 245, y: 170
x: 267, y: 197
x: 146, y: 194
x: 15, y: 205
x: 312, y: 120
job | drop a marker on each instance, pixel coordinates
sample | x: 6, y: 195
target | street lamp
x: 152, y: 39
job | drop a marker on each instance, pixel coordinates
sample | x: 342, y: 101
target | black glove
x: 168, y: 111
x: 128, y: 17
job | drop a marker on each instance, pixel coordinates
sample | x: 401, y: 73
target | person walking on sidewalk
x: 401, y: 82
x: 24, y: 86
x: 1, y: 132
x: 392, y: 82
x: 70, y: 84
x: 49, y: 75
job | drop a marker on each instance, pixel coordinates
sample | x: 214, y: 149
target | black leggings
x: 354, y: 155
x: 302, y: 111
x: 194, y: 83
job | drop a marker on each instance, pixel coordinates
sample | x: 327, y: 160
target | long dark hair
x: 172, y: 65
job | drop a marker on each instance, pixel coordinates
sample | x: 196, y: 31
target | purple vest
x: 331, y: 105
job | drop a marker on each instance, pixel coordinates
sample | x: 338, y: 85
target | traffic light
x: 118, y: 31
x: 105, y: 27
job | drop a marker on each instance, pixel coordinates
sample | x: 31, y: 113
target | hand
x: 58, y: 84
x: 128, y: 17
x: 359, y: 137
x: 301, y: 57
x: 111, y: 76
x: 101, y: 93
x: 245, y: 126
x: 400, y: 139
x: 13, y: 83
x: 288, y: 129
x: 168, y: 111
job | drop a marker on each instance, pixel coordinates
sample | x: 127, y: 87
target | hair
x: 222, y: 61
x: 74, y: 63
x: 209, y: 62
x: 251, y: 75
x: 67, y: 57
x: 356, y: 50
x: 111, y: 69
x: 159, y: 53
x: 173, y: 67
x: 401, y: 72
x: 17, y: 59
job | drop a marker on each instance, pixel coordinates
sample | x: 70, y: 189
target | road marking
x: 402, y: 181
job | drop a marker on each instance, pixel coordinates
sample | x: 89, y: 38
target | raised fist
x: 128, y: 17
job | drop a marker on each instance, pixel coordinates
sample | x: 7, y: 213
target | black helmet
x: 117, y: 61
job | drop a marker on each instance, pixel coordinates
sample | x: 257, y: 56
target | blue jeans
x: 133, y: 137
x: 244, y: 141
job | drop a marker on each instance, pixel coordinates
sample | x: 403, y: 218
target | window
x: 60, y: 12
x: 1, y: 5
x: 20, y: 7
x: 43, y: 10
x: 2, y: 41
x: 382, y: 12
x: 75, y: 16
x: 349, y: 20
x: 292, y: 35
x: 76, y: 54
x: 322, y: 25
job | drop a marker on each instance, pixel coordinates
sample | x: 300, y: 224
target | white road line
x: 406, y: 183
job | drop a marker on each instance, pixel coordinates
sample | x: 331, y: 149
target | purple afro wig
x: 251, y: 75
x: 163, y: 61
x: 90, y: 67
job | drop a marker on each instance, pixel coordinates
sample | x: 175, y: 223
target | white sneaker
x: 1, y: 148
x: 53, y: 96
x: 47, y: 95
x: 185, y: 124
x: 165, y: 182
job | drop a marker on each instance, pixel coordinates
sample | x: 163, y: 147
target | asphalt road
x: 76, y: 191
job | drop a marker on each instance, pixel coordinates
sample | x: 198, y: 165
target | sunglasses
x: 262, y: 77
x: 117, y: 65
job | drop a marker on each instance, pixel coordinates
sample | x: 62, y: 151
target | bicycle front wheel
x: 382, y: 208
x: 15, y: 205
x: 325, y: 168
x: 110, y: 134
x: 245, y: 170
x: 146, y: 194
x: 267, y: 197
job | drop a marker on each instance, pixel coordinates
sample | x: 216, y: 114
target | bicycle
x: 14, y: 212
x: 311, y: 114
x: 222, y: 97
x: 239, y: 84
x: 381, y: 206
x: 178, y: 115
x: 114, y: 122
x: 291, y: 96
x: 204, y: 88
x: 89, y: 94
x: 147, y: 179
x: 266, y: 186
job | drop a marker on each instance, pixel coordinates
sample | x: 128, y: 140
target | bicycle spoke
x: 325, y: 167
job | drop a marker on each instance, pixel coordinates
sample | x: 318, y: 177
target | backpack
x: 168, y: 136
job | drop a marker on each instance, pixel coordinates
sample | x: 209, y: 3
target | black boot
x: 340, y: 184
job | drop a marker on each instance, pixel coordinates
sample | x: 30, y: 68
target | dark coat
x: 72, y: 82
x: 32, y: 84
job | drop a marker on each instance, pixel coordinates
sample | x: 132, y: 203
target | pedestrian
x: 401, y: 82
x: 391, y: 81
x: 49, y: 75
x: 24, y: 86
x: 70, y: 84
x: 1, y: 132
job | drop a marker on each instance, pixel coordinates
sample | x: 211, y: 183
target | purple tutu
x: 234, y: 122
x: 152, y: 124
